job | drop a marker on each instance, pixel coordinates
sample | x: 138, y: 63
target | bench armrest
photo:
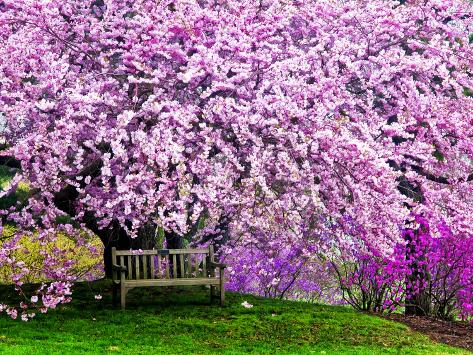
x: 119, y: 267
x: 213, y: 264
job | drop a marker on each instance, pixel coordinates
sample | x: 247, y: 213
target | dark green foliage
x: 437, y: 154
x: 467, y: 92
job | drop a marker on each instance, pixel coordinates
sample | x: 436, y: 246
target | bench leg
x: 123, y: 292
x: 222, y: 295
x: 114, y: 293
x: 222, y: 287
x: 212, y: 293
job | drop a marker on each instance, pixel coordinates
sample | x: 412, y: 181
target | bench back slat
x: 122, y: 261
x: 166, y: 260
x: 189, y: 266
x: 211, y: 258
x: 174, y: 266
x: 192, y: 262
x: 137, y: 267
x: 129, y: 269
x: 151, y: 264
x: 204, y: 266
x: 181, y: 262
x: 196, y: 266
x: 186, y: 265
x: 145, y: 266
x: 114, y: 260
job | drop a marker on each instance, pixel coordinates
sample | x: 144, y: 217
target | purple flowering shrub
x: 285, y: 274
x: 280, y: 268
x: 440, y: 270
x: 434, y: 270
x: 369, y: 281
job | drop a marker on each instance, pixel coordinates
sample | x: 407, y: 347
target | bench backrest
x: 164, y: 263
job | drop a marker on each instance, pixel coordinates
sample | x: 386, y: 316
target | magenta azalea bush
x: 369, y: 281
x: 430, y: 272
x: 440, y: 269
x: 262, y: 126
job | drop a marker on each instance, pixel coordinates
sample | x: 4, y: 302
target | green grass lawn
x: 175, y: 321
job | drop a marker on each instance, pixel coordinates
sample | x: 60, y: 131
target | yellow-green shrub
x: 87, y: 263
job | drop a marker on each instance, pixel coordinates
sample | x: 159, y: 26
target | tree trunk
x: 417, y: 304
x: 174, y: 241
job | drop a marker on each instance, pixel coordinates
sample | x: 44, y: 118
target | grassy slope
x: 182, y: 321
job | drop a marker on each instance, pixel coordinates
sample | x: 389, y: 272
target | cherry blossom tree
x: 253, y: 124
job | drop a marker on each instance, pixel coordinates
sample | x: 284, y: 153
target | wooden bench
x: 166, y: 267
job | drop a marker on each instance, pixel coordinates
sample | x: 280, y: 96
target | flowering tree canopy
x: 264, y: 121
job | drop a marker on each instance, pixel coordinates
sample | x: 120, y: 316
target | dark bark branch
x: 10, y: 162
x: 431, y: 177
x: 438, y: 179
